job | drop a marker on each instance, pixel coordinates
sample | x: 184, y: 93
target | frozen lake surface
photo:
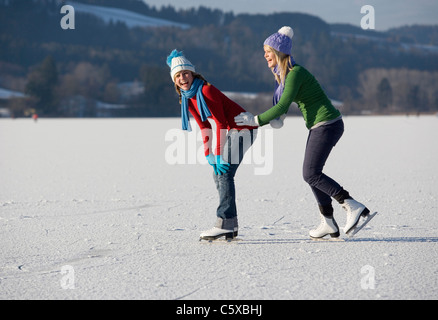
x: 94, y: 209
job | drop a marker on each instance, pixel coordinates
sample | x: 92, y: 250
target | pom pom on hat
x: 177, y: 62
x: 287, y: 31
x: 281, y: 40
x: 175, y: 53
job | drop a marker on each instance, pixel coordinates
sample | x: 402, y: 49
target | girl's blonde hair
x: 284, y: 64
x: 195, y: 75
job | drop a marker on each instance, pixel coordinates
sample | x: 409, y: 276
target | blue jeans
x: 238, y: 142
x: 320, y: 143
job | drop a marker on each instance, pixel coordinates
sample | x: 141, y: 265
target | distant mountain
x: 416, y: 34
x: 420, y: 38
x: 343, y: 28
x: 118, y: 41
x: 131, y: 19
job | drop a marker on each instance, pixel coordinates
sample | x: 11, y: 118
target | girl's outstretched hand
x: 219, y: 165
x: 212, y: 161
x: 278, y: 123
x: 246, y: 119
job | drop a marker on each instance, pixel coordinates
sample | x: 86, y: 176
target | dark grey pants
x: 320, y: 143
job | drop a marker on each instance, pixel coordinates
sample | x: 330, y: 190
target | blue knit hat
x: 281, y: 40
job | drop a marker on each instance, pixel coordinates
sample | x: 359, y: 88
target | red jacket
x: 223, y: 110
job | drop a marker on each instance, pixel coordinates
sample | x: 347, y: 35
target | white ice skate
x: 354, y: 210
x: 328, y: 226
x: 227, y: 228
x: 216, y: 233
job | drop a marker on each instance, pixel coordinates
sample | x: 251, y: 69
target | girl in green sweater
x: 325, y: 124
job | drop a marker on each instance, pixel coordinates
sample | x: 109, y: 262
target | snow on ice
x: 91, y: 209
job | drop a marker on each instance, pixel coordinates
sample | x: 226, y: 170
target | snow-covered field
x: 92, y: 209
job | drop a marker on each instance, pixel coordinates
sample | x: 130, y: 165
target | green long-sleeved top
x: 302, y: 87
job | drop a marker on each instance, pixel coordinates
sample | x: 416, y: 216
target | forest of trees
x: 64, y: 73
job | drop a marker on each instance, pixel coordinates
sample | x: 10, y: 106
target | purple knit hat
x: 281, y: 40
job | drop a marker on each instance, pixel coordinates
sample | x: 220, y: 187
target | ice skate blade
x: 220, y: 240
x: 334, y: 239
x: 363, y: 221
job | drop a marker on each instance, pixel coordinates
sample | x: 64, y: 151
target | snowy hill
x: 424, y: 48
x: 7, y: 94
x: 131, y: 19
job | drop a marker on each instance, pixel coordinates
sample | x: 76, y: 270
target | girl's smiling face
x: 184, y: 79
x: 270, y: 57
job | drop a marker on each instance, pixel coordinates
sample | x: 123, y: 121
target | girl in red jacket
x: 204, y: 101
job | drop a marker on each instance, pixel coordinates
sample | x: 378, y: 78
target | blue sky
x: 388, y: 13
